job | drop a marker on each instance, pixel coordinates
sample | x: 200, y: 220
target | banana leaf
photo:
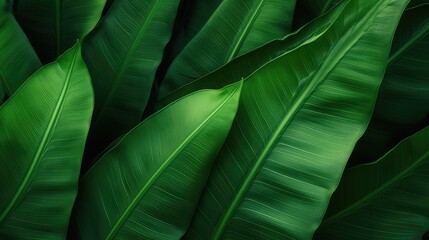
x: 226, y: 36
x: 402, y: 106
x: 123, y: 53
x: 307, y: 10
x: 299, y: 118
x: 43, y: 128
x: 53, y: 26
x: 17, y: 57
x: 148, y: 184
x: 387, y: 199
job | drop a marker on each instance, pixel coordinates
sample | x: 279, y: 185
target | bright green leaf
x: 17, y: 58
x: 235, y: 28
x: 53, y: 26
x: 123, y: 54
x: 148, y: 184
x: 384, y: 200
x: 42, y: 135
x: 298, y: 120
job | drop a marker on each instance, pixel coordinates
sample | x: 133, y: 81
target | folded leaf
x: 53, y: 26
x: 235, y: 28
x: 42, y: 135
x: 402, y: 106
x: 243, y: 66
x: 17, y: 58
x: 387, y: 199
x: 123, y: 53
x: 307, y: 10
x: 148, y: 184
x: 298, y: 120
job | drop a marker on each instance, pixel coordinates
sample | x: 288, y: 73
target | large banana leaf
x: 235, y: 28
x: 148, y: 184
x: 17, y: 58
x: 54, y: 25
x: 298, y: 120
x: 123, y: 53
x: 42, y: 135
x: 384, y: 200
x: 243, y: 66
x: 402, y: 106
x: 307, y: 10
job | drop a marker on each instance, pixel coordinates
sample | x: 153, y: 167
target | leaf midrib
x: 286, y: 121
x: 163, y: 167
x: 136, y: 42
x: 245, y: 32
x: 42, y: 146
x: 377, y: 191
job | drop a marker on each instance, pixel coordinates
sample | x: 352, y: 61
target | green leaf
x: 53, y: 26
x: 243, y: 66
x: 42, y: 135
x: 387, y: 199
x: 307, y: 10
x: 402, y: 106
x: 226, y: 36
x: 123, y: 53
x: 17, y: 58
x: 298, y: 120
x: 148, y: 184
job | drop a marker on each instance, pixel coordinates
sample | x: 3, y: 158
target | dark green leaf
x: 42, y: 135
x: 307, y: 10
x: 384, y: 200
x: 148, y: 184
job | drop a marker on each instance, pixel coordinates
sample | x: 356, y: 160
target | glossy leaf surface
x: 298, y: 120
x: 384, y: 200
x: 148, y: 184
x: 43, y: 128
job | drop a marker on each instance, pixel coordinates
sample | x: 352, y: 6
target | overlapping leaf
x: 235, y: 28
x: 17, y: 58
x: 307, y: 10
x: 148, y: 184
x: 53, y: 26
x: 123, y: 53
x: 384, y: 200
x: 42, y: 135
x: 298, y: 120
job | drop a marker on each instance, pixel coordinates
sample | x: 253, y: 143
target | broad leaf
x: 387, y: 199
x: 226, y: 36
x: 298, y: 120
x: 402, y: 106
x: 17, y: 58
x: 53, y: 26
x: 123, y: 53
x: 307, y: 10
x: 148, y: 184
x: 243, y: 66
x: 42, y: 135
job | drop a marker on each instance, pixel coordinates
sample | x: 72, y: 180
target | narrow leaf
x: 148, y: 184
x: 123, y: 53
x: 53, y: 26
x: 298, y: 120
x: 384, y: 200
x: 42, y: 135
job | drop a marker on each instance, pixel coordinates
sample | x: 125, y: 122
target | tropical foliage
x: 214, y: 119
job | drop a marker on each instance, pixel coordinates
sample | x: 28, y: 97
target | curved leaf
x: 42, y: 135
x: 123, y: 53
x: 388, y: 198
x: 148, y: 184
x: 298, y: 120
x: 17, y: 57
x: 243, y: 66
x: 402, y: 106
x: 53, y: 26
x: 226, y: 36
x: 307, y: 10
